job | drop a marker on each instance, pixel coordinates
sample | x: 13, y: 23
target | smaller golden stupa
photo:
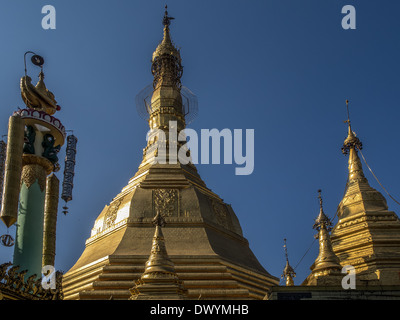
x: 326, y: 269
x: 159, y: 280
x: 288, y: 272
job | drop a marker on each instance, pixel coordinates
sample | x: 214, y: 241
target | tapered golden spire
x: 326, y: 270
x: 350, y: 146
x: 159, y: 263
x: 166, y: 46
x: 367, y: 234
x: 159, y: 280
x: 288, y: 271
x: 326, y: 258
x: 166, y: 106
x: 166, y: 63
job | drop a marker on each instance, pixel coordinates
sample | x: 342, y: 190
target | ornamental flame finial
x: 166, y: 20
x: 166, y: 63
x: 322, y: 220
x: 351, y: 142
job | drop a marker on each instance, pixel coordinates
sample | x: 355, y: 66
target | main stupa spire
x: 204, y: 236
x: 166, y: 108
x: 166, y: 63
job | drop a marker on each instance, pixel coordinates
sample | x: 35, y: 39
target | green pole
x: 29, y: 234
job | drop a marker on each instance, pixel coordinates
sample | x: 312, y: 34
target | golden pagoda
x: 326, y: 269
x: 365, y: 240
x: 159, y: 280
x: 202, y: 235
x: 367, y: 234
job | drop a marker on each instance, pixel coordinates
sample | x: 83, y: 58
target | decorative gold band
x: 50, y: 220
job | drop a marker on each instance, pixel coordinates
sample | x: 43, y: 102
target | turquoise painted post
x: 29, y: 234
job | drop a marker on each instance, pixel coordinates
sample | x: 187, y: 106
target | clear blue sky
x: 283, y: 68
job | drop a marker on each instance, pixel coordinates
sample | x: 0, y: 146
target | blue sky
x: 283, y: 68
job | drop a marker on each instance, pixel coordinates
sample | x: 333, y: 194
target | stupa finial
x: 351, y: 142
x: 322, y: 220
x: 167, y: 19
x: 350, y: 146
x: 166, y: 63
x: 288, y: 271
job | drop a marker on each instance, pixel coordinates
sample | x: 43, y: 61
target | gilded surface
x: 50, y: 220
x: 326, y: 270
x: 215, y: 262
x: 221, y: 213
x: 111, y: 214
x: 159, y: 279
x: 3, y: 150
x: 38, y: 97
x: 13, y: 167
x: 367, y: 235
x: 166, y: 201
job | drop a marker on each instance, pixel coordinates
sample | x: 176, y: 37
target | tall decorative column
x: 29, y: 236
x: 30, y: 197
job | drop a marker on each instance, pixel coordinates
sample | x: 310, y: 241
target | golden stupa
x: 367, y: 234
x: 326, y: 270
x: 202, y: 234
x: 365, y: 240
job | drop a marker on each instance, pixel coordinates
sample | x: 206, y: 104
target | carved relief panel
x: 222, y: 214
x: 111, y: 213
x: 166, y: 201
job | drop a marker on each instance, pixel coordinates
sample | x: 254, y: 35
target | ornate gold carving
x: 33, y: 172
x: 33, y: 159
x: 165, y: 201
x: 12, y: 284
x: 111, y: 213
x: 38, y: 97
x: 221, y: 213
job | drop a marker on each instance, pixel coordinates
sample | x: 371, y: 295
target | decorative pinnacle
x: 320, y: 199
x: 166, y: 19
x: 288, y: 271
x: 285, y: 248
x: 351, y: 142
x: 322, y: 220
x: 348, y: 114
